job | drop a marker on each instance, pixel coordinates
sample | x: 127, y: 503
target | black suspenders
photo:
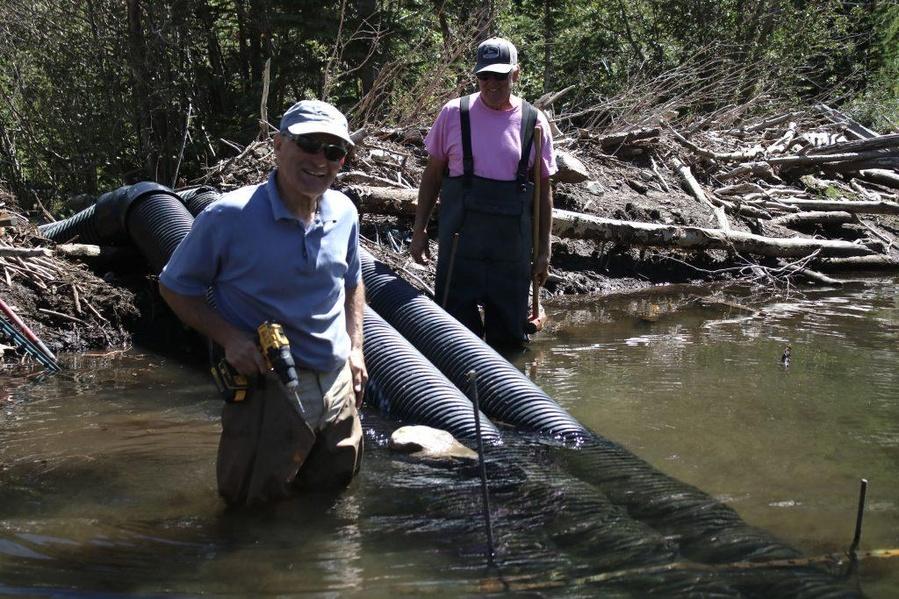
x: 528, y: 121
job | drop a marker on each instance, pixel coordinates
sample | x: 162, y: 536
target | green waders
x: 492, y: 262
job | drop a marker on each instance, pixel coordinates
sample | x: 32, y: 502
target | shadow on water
x: 107, y: 486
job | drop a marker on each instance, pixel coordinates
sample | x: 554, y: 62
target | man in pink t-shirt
x: 484, y: 256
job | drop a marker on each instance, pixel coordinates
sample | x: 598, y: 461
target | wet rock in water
x: 426, y: 442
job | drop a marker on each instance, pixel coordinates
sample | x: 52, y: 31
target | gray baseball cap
x: 315, y: 116
x: 496, y: 55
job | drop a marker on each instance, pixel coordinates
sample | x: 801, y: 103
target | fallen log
x: 758, y: 169
x: 881, y: 176
x: 798, y: 219
x: 773, y: 121
x: 821, y: 159
x: 386, y: 200
x: 858, y: 130
x: 880, y: 142
x: 582, y: 226
x: 874, y: 262
x: 6, y: 251
x: 616, y: 140
x: 740, y: 156
x: 696, y: 191
x: 854, y: 207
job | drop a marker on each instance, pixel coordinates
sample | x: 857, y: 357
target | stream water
x: 107, y: 469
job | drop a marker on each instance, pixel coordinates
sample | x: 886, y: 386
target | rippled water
x: 108, y: 482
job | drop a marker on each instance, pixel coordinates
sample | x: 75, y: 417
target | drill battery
x: 275, y: 348
x: 232, y: 385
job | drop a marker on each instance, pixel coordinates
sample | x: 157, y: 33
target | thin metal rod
x: 449, y: 270
x: 10, y: 313
x: 473, y: 390
x: 862, y: 492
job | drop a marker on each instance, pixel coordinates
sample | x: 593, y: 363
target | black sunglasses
x: 496, y: 76
x: 310, y: 145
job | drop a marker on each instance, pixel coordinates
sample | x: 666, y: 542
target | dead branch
x: 813, y: 218
x: 854, y: 207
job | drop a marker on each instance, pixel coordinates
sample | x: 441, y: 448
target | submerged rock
x: 426, y: 442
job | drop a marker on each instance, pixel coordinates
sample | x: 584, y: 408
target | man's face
x: 496, y: 92
x: 302, y: 172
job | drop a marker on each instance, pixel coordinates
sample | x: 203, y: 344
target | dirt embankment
x: 799, y: 176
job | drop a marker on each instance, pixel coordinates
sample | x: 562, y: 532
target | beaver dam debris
x: 765, y: 202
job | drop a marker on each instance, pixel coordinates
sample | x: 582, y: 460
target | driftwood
x: 581, y: 226
x: 696, y: 191
x: 855, y: 207
x: 813, y: 218
x: 858, y: 130
x: 881, y: 176
x: 874, y: 262
x: 384, y: 200
x: 6, y: 251
x: 759, y: 169
x: 617, y: 140
x: 880, y: 142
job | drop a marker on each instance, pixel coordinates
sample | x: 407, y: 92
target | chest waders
x: 491, y: 266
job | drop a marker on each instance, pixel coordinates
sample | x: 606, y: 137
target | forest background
x: 97, y: 93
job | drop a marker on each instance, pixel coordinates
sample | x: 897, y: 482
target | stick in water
x: 473, y: 380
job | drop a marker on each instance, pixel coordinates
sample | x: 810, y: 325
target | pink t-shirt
x: 495, y: 140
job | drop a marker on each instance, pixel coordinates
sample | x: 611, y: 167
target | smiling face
x: 495, y: 94
x: 304, y: 176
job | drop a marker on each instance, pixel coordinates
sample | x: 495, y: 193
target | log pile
x: 64, y: 304
x: 812, y: 186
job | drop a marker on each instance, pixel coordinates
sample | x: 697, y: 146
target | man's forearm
x: 354, y: 305
x: 428, y: 191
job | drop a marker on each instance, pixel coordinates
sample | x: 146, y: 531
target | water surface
x: 107, y: 469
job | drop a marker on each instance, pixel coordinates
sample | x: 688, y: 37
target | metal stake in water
x: 473, y: 392
x: 863, y: 490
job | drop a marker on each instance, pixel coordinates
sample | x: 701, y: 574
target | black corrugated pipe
x: 505, y: 393
x: 79, y: 227
x: 197, y: 198
x: 157, y: 221
x: 148, y: 214
x: 404, y: 385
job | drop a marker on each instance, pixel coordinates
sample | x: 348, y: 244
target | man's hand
x: 243, y: 354
x: 540, y: 270
x: 419, y: 249
x: 360, y: 374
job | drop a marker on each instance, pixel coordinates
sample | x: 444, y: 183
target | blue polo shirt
x: 262, y: 263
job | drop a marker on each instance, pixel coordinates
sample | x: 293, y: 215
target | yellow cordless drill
x: 275, y: 349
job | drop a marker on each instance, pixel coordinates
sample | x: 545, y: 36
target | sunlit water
x: 107, y: 469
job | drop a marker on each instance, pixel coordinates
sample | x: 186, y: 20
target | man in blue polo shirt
x: 284, y: 251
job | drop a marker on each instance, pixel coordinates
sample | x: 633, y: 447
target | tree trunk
x: 548, y: 37
x: 137, y: 62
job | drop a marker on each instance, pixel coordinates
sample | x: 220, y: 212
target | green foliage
x: 96, y: 94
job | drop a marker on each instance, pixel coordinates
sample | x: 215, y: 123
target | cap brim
x: 319, y: 127
x: 496, y: 68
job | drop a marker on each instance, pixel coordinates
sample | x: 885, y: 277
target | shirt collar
x: 280, y: 211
